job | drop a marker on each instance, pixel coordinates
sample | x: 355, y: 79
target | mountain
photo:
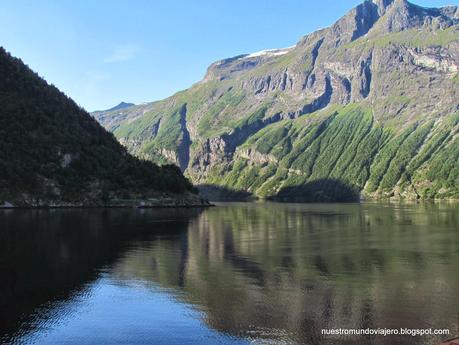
x: 53, y: 153
x: 113, y: 115
x: 120, y: 106
x: 368, y: 107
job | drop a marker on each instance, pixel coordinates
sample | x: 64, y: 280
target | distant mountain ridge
x: 120, y: 106
x: 53, y: 153
x: 368, y: 107
x: 123, y: 112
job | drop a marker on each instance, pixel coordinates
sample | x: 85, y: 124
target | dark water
x: 235, y: 274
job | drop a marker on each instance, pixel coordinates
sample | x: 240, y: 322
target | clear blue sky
x: 103, y: 52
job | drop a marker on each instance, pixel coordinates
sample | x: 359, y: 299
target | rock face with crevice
x: 386, y: 72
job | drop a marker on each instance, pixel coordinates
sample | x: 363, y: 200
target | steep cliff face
x: 370, y: 102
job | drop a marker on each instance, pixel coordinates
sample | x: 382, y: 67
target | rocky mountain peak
x: 372, y: 17
x: 356, y: 23
x: 402, y: 15
x: 382, y: 5
x: 120, y: 106
x: 386, y: 16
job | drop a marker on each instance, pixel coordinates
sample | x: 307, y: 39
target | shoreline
x: 212, y: 203
x: 56, y: 207
x: 155, y: 201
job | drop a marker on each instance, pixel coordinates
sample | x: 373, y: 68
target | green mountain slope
x: 366, y: 107
x: 53, y: 153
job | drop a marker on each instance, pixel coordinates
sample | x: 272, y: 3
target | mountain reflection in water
x: 234, y: 274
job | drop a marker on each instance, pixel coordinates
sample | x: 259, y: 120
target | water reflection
x: 263, y: 272
x: 50, y: 257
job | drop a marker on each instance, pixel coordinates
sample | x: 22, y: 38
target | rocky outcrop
x: 435, y: 58
x: 255, y: 157
x: 183, y: 149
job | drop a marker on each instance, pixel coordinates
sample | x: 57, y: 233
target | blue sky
x: 103, y: 52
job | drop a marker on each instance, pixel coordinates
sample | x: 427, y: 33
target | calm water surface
x: 240, y: 273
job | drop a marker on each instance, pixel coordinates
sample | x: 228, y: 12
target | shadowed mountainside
x: 322, y: 190
x: 53, y: 153
x: 220, y: 193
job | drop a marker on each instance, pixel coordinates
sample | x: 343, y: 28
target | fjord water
x: 239, y: 273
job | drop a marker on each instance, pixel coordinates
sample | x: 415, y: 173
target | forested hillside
x: 53, y: 153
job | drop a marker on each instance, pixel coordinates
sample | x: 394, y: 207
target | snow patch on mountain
x: 269, y: 52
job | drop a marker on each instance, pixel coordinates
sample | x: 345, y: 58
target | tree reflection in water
x: 270, y: 271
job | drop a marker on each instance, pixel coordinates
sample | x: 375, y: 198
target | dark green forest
x: 53, y: 150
